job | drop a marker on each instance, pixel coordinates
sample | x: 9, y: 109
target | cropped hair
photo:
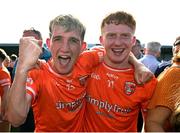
x: 119, y: 17
x: 3, y: 55
x: 153, y: 46
x: 177, y: 41
x: 38, y: 33
x: 69, y: 23
x: 13, y: 57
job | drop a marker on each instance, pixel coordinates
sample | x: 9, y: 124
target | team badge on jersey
x: 129, y: 88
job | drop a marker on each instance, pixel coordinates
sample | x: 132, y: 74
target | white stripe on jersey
x: 31, y: 90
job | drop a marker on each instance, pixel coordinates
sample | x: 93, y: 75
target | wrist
x: 22, y: 69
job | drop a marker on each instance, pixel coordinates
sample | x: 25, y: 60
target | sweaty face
x: 118, y: 41
x: 65, y: 49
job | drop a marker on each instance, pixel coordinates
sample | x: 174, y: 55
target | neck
x: 118, y: 65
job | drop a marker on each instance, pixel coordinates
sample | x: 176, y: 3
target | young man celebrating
x: 55, y: 89
x: 113, y: 97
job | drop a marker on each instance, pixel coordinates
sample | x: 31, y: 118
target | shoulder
x: 4, y: 72
x: 173, y: 70
x: 169, y: 76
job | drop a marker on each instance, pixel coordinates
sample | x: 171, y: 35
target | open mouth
x: 64, y: 60
x: 117, y: 51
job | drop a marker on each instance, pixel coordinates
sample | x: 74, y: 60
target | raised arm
x: 19, y: 101
x: 142, y: 73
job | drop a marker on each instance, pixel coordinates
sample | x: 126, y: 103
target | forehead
x: 113, y: 28
x: 61, y: 31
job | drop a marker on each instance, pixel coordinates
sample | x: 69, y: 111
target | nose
x: 118, y: 40
x: 65, y: 46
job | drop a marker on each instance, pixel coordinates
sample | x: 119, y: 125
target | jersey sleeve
x: 91, y: 58
x: 32, y: 84
x: 5, y: 80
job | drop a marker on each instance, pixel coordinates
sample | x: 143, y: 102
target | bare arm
x: 19, y: 101
x: 142, y: 74
x: 156, y: 119
x: 4, y: 100
x: 4, y: 125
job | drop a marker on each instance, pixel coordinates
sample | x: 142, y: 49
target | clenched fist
x: 29, y: 52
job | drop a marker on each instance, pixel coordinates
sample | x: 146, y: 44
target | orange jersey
x: 114, y: 100
x: 5, y: 79
x: 59, y: 101
x: 167, y: 92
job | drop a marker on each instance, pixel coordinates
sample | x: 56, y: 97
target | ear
x: 48, y: 42
x: 101, y: 40
x: 133, y: 40
x: 84, y: 46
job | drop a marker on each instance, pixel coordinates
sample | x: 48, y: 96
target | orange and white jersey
x: 59, y: 101
x: 114, y: 100
x: 5, y: 79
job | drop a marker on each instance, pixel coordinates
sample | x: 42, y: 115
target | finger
x: 38, y: 42
x: 138, y: 79
x: 148, y: 77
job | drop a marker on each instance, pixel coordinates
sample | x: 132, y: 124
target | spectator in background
x: 164, y: 65
x: 7, y: 61
x: 152, y: 52
x: 5, y: 82
x: 137, y: 49
x: 166, y: 100
x: 13, y: 59
x: 46, y: 55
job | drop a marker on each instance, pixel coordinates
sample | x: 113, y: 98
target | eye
x: 111, y: 35
x: 125, y: 36
x: 74, y: 40
x: 57, y: 38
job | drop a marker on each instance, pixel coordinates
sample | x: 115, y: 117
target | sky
x: 157, y: 20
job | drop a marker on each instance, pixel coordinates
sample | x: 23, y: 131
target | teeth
x: 117, y: 50
x: 63, y: 56
x: 64, y: 60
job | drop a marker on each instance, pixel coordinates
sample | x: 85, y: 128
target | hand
x: 29, y: 52
x: 142, y: 74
